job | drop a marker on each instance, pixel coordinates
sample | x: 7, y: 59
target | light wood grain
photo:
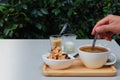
x: 78, y: 69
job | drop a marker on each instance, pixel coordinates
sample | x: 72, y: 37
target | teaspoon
x: 94, y: 41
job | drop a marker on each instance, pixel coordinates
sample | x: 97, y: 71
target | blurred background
x: 38, y: 19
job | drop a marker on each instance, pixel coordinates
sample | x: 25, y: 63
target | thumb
x: 103, y: 29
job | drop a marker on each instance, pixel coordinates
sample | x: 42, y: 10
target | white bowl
x: 58, y: 64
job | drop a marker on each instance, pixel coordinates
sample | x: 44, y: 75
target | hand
x: 107, y: 26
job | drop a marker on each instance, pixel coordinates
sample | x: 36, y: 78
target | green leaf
x: 56, y: 11
x: 6, y: 19
x: 20, y: 25
x: 24, y: 7
x: 52, y: 2
x: 39, y: 13
x: 69, y: 13
x: 75, y: 13
x: 12, y: 27
x: 78, y: 1
x: 6, y: 31
x: 39, y: 26
x: 109, y: 4
x: 26, y: 17
x: 44, y: 11
x: 81, y: 33
x: 2, y: 8
x: 1, y: 24
x: 44, y: 28
x: 45, y: 1
x: 11, y: 9
x: 10, y: 33
x: 34, y: 12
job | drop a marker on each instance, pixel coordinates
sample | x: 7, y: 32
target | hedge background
x: 38, y: 19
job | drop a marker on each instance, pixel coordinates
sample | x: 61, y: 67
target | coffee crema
x: 97, y: 49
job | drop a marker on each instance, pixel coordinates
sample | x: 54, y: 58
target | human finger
x: 93, y: 31
x: 103, y: 29
x: 108, y: 36
x: 103, y: 21
x: 99, y: 36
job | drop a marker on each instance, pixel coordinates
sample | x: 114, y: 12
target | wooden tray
x: 78, y: 69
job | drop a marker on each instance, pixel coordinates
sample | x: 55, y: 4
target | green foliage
x: 42, y: 18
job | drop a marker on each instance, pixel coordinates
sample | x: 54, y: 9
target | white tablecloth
x: 21, y: 59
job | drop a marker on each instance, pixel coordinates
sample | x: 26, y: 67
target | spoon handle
x: 63, y: 29
x: 93, y: 45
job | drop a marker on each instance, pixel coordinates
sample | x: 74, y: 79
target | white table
x: 21, y: 59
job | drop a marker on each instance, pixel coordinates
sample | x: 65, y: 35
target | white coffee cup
x: 96, y: 60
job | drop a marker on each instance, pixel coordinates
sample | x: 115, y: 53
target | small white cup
x: 96, y: 60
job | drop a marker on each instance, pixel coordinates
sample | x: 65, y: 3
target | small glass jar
x: 56, y: 41
x: 69, y: 43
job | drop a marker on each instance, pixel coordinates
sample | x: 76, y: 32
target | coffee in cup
x: 96, y: 49
x: 97, y: 57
